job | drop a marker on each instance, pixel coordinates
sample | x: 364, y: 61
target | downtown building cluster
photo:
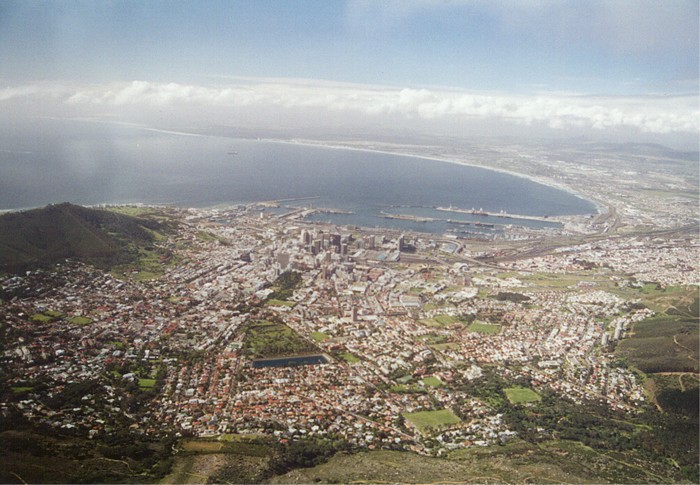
x: 392, y: 315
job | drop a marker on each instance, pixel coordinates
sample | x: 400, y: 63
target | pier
x: 503, y: 215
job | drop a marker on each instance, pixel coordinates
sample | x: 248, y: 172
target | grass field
x: 432, y: 339
x: 440, y: 321
x: 42, y: 318
x: 426, y: 420
x: 446, y: 319
x: 432, y: 381
x: 319, y: 336
x: 553, y: 280
x: 518, y: 395
x: 274, y: 302
x: 350, y: 358
x: 484, y: 328
x: 80, y: 320
x: 146, y: 383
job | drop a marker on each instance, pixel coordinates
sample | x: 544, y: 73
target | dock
x: 502, y: 215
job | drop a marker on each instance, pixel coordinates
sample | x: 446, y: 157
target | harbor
x: 502, y: 214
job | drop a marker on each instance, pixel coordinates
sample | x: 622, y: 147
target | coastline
x: 532, y: 178
x: 365, y: 146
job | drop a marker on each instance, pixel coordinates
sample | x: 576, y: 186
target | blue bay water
x: 93, y: 163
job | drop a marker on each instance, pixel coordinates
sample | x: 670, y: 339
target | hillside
x: 56, y: 232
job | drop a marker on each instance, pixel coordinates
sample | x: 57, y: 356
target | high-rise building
x: 335, y: 240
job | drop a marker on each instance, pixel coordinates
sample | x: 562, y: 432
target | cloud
x: 316, y: 101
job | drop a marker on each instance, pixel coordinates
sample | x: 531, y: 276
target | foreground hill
x: 56, y: 232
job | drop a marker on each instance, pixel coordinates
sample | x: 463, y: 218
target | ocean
x: 94, y: 163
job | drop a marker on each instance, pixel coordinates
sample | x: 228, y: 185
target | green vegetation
x: 56, y: 232
x: 133, y: 210
x: 679, y: 300
x: 517, y: 395
x: 206, y: 236
x: 677, y: 393
x: 148, y: 263
x: 430, y: 306
x: 78, y: 320
x: 515, y: 462
x: 350, y: 358
x: 284, y: 286
x: 269, y: 339
x: 554, y: 281
x: 273, y: 302
x: 645, y: 439
x: 432, y: 381
x: 21, y: 389
x: 319, y: 336
x: 242, y: 459
x: 42, y: 318
x: 445, y: 346
x: 441, y: 321
x: 30, y: 456
x: 46, y: 317
x: 510, y: 296
x: 146, y: 383
x: 445, y: 319
x: 663, y: 343
x: 429, y: 420
x: 432, y: 339
x: 406, y: 389
x: 484, y: 328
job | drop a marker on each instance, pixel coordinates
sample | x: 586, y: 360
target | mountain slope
x: 56, y: 232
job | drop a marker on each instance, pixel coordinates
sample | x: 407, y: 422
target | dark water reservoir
x: 291, y: 361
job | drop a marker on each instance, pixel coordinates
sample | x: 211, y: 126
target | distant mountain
x: 635, y: 149
x: 56, y: 232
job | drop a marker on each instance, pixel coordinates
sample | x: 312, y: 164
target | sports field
x: 425, y: 420
x: 485, y: 328
x: 518, y: 395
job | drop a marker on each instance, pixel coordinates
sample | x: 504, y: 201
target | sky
x: 609, y: 68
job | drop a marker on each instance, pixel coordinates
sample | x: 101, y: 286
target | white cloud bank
x: 313, y: 103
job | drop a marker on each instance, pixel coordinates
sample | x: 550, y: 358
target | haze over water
x: 93, y: 163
